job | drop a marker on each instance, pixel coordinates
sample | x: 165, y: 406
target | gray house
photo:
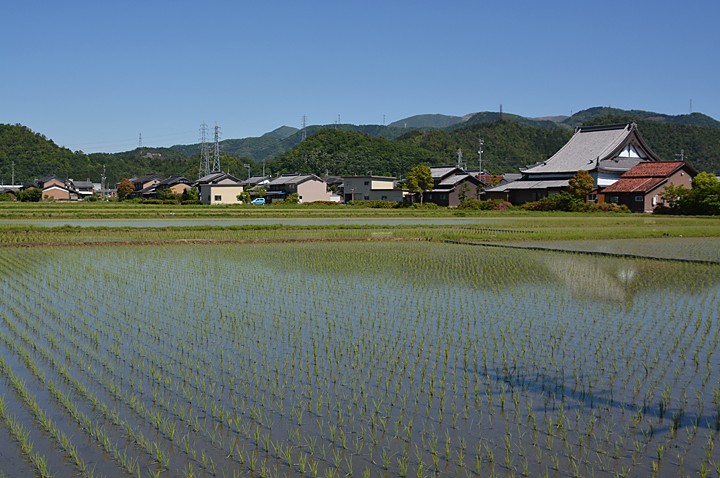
x: 371, y: 188
x: 451, y: 185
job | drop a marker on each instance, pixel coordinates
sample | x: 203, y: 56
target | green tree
x: 191, y: 196
x: 580, y: 185
x: 30, y: 195
x: 703, y: 198
x: 419, y: 180
x: 125, y: 188
x: 293, y: 198
x: 167, y: 194
x: 244, y: 197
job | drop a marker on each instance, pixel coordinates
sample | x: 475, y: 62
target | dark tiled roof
x: 586, y: 147
x: 293, y: 179
x: 173, y: 180
x: 214, y: 178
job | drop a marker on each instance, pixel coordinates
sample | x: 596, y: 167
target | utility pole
x: 13, y: 174
x: 248, y: 168
x: 103, y: 178
x: 303, y: 134
x: 480, y: 152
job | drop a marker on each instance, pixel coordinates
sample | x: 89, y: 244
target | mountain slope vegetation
x: 511, y: 142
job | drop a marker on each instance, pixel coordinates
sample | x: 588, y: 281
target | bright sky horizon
x: 93, y: 76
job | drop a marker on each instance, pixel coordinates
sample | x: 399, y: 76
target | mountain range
x: 510, y: 142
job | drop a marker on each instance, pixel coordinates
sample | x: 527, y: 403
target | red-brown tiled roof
x: 653, y: 169
x: 634, y: 185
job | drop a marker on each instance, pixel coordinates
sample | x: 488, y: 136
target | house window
x: 218, y: 198
x: 383, y: 198
x: 613, y: 199
x: 639, y: 199
x: 592, y: 197
x: 367, y: 198
x: 367, y: 183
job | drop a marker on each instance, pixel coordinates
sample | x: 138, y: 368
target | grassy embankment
x: 23, y: 224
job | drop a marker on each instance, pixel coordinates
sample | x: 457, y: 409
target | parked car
x: 258, y: 201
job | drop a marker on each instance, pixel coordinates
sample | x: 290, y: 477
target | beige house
x: 144, y: 182
x: 219, y: 188
x: 371, y: 188
x: 176, y: 184
x: 308, y: 187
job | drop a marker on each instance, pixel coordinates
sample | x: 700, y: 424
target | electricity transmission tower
x: 216, y: 151
x: 204, y: 152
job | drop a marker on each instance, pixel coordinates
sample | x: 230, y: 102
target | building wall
x: 57, y: 194
x: 385, y: 195
x: 219, y: 194
x: 382, y: 184
x: 179, y: 188
x: 313, y: 190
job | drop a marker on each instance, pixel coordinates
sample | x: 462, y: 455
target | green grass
x: 483, y: 227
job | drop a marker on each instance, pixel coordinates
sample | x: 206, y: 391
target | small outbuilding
x: 641, y: 187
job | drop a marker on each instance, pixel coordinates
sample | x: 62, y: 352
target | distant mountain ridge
x: 511, y: 141
x: 428, y: 121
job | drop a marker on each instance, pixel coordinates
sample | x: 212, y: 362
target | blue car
x: 258, y: 201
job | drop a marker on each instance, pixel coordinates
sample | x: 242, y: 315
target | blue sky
x: 93, y: 75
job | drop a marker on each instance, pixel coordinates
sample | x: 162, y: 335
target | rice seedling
x: 290, y: 362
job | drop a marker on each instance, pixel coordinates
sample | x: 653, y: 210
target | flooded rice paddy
x: 356, y: 359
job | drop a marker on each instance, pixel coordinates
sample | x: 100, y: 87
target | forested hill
x: 36, y: 156
x: 699, y: 145
x: 592, y: 115
x: 511, y: 142
x: 508, y: 146
x: 340, y: 152
x: 337, y: 151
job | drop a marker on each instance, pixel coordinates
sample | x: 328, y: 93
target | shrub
x: 30, y: 195
x: 484, y: 205
x: 322, y: 203
x: 427, y: 205
x: 376, y: 204
x: 566, y: 202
